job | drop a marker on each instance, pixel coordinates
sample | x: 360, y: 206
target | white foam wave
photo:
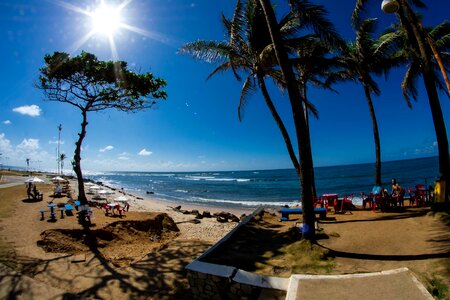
x: 242, y: 203
x: 182, y: 191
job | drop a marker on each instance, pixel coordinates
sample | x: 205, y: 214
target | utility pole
x: 58, y: 152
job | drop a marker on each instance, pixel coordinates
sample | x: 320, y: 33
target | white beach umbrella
x: 34, y: 180
x: 95, y: 187
x: 105, y: 192
x: 121, y: 198
x: 59, y: 179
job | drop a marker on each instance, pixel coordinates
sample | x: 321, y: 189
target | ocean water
x: 268, y: 187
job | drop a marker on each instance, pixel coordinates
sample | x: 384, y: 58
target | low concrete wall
x: 211, y: 281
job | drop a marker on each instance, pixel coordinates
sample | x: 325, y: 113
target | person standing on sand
x: 396, y: 188
x: 396, y: 192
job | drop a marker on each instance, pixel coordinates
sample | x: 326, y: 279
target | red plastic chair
x: 119, y: 210
x: 107, y: 208
x: 420, y: 195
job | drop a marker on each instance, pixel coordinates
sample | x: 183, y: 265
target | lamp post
x: 58, y: 152
x: 425, y: 49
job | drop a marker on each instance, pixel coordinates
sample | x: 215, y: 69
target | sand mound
x: 120, y: 242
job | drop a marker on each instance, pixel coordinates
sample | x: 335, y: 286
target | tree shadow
x: 406, y: 214
x: 32, y: 200
x: 160, y: 274
x: 439, y: 239
x: 249, y: 246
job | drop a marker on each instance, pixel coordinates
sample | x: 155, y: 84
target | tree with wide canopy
x: 92, y: 85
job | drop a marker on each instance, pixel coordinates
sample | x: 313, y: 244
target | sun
x: 106, y: 20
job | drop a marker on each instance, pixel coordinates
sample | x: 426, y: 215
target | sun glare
x: 106, y: 20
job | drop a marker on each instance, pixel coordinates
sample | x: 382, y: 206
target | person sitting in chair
x: 37, y: 194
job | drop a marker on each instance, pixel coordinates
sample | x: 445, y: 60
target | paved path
x: 393, y: 284
x: 9, y: 184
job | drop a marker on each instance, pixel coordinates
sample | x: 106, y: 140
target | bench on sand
x: 285, y: 212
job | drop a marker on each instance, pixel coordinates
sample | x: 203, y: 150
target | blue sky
x: 197, y: 127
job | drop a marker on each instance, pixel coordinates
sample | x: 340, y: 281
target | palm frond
x: 222, y: 68
x: 247, y: 89
x: 209, y: 51
x: 409, y: 83
x: 358, y: 12
x: 315, y: 17
x: 312, y: 109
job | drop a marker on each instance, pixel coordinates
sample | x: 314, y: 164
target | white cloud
x: 107, y: 148
x: 7, y: 122
x: 123, y: 156
x: 29, y: 145
x: 29, y: 110
x: 144, y: 152
x: 5, y: 144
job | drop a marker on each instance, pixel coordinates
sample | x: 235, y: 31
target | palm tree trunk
x: 313, y: 180
x: 279, y: 121
x: 77, y: 160
x: 439, y: 127
x: 376, y: 136
x: 417, y: 38
x: 302, y: 132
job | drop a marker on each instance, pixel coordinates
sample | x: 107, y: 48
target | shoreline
x: 151, y: 201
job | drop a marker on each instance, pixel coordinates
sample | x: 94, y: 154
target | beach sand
x: 136, y: 269
x: 143, y: 268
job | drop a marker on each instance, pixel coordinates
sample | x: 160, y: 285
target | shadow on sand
x: 160, y: 275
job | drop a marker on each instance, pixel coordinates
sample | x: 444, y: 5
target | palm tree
x: 423, y: 59
x: 314, y: 66
x: 62, y: 157
x: 360, y: 61
x: 250, y: 51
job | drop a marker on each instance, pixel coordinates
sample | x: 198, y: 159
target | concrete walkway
x: 393, y: 284
x: 9, y: 184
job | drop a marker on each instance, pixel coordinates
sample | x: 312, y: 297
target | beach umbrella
x: 121, y: 198
x: 95, y: 187
x: 58, y: 179
x: 105, y: 192
x: 34, y: 180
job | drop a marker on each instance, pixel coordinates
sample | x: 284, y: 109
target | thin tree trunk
x: 77, y: 160
x: 302, y: 132
x: 279, y: 121
x: 376, y: 137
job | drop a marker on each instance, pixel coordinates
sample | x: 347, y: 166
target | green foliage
x: 437, y: 288
x: 93, y: 85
